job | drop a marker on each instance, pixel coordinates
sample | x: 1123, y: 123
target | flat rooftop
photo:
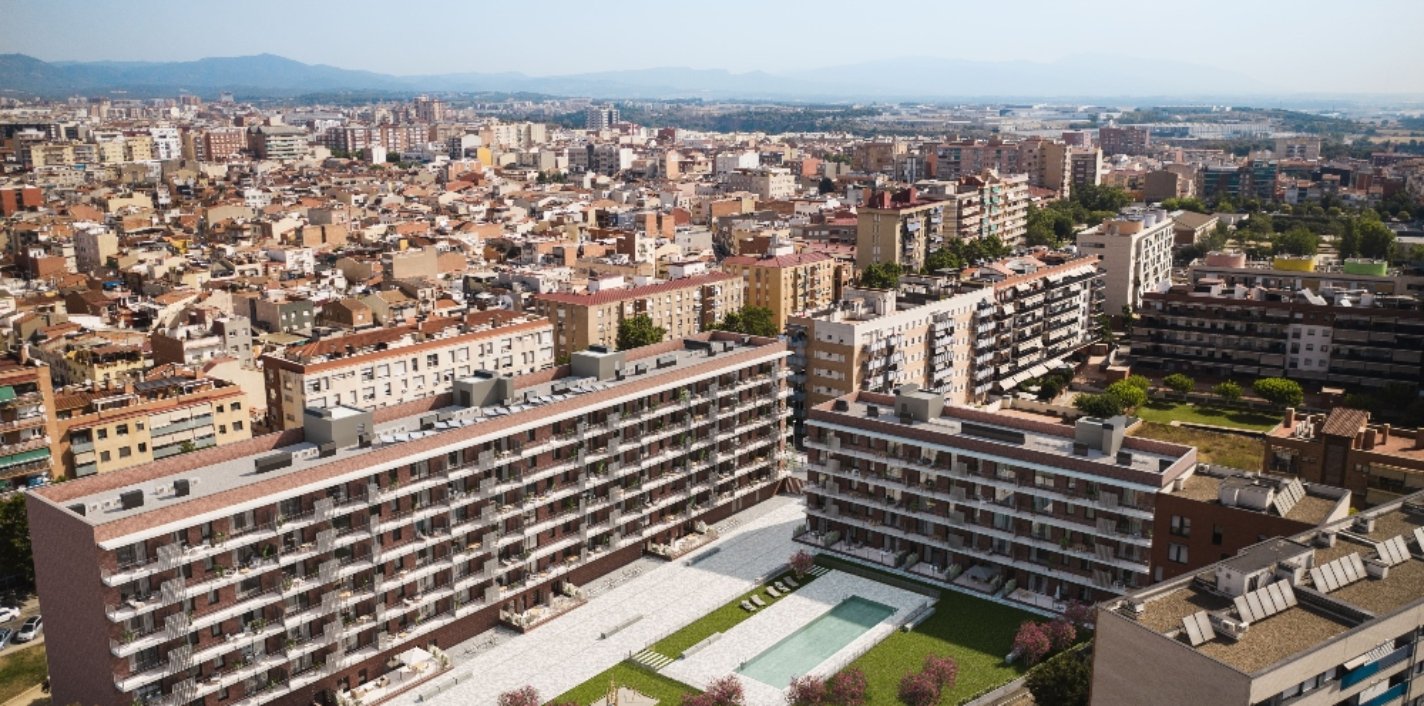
x: 1018, y: 431
x: 1314, y: 508
x: 1321, y: 612
x: 536, y: 396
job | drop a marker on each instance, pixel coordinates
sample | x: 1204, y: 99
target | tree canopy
x: 16, y: 559
x: 639, y: 331
x: 753, y: 320
x: 1298, y: 241
x: 881, y: 275
x: 1061, y: 681
x: 1279, y: 391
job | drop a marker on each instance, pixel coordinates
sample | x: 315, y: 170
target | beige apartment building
x: 111, y: 429
x: 396, y: 364
x: 768, y: 183
x: 681, y: 307
x: 983, y: 205
x: 898, y: 228
x: 1136, y: 252
x: 787, y: 283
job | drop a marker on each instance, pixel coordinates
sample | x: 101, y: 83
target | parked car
x: 30, y: 630
x: 8, y: 613
x: 5, y: 635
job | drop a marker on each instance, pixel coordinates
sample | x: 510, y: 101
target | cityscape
x: 358, y: 358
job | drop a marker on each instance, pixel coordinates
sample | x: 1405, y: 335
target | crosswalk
x: 652, y: 660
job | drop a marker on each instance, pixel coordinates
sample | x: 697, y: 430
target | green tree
x: 1101, y: 198
x: 639, y: 331
x: 1061, y: 681
x: 1228, y: 391
x: 1298, y: 241
x: 1140, y: 382
x: 1279, y: 391
x: 1376, y: 239
x: 1179, y: 383
x: 15, y: 555
x: 1102, y: 406
x: 1128, y: 394
x: 880, y: 275
x: 754, y: 320
x: 943, y: 259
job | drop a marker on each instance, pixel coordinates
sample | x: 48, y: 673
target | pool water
x: 800, y: 652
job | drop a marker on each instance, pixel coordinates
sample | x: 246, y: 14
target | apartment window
x: 103, y: 433
x: 122, y: 430
x: 212, y: 597
x: 1216, y: 534
x: 1181, y: 526
x: 1177, y: 552
x: 104, y: 456
x: 237, y: 426
x: 142, y: 447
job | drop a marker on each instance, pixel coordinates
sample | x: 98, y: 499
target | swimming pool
x: 813, y: 644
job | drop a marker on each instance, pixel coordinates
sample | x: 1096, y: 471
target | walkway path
x: 661, y: 598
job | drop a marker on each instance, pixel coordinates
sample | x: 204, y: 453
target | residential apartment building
x: 601, y: 117
x: 1336, y: 337
x: 1020, y: 509
x: 1376, y: 276
x: 1085, y: 166
x: 1217, y: 511
x: 1124, y: 140
x: 786, y: 282
x: 200, y: 341
x: 1331, y: 615
x: 681, y: 307
x: 982, y: 206
x: 1376, y: 462
x: 1136, y: 252
x: 277, y: 142
x: 1047, y: 163
x: 108, y: 429
x: 392, y: 365
x: 1004, y: 323
x: 298, y: 566
x: 768, y: 183
x: 1255, y: 179
x: 27, y: 425
x: 898, y: 228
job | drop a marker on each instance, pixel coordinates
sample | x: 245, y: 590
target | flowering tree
x: 1061, y: 634
x: 801, y: 563
x: 523, y: 696
x: 726, y: 691
x: 1032, y: 642
x: 943, y: 670
x: 807, y: 691
x: 1079, y: 614
x: 848, y: 688
x: 919, y: 689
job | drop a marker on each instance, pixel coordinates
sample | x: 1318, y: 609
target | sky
x: 1317, y: 46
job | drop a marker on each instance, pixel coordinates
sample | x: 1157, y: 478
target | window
x: 104, y: 456
x: 237, y: 426
x: 122, y: 430
x: 103, y: 433
x: 142, y: 447
x: 1181, y: 526
x: 1216, y: 534
x: 1177, y: 552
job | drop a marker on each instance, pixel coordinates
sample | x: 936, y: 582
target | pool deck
x: 782, y: 618
x: 567, y: 651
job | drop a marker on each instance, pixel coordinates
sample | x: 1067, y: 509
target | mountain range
x: 267, y: 75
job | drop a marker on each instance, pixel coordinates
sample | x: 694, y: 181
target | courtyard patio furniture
x: 781, y: 587
x: 773, y: 592
x: 792, y: 582
x: 758, y: 601
x: 748, y: 607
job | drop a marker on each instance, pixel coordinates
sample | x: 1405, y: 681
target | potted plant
x: 128, y: 636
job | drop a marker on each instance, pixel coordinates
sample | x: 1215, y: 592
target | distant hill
x: 900, y: 79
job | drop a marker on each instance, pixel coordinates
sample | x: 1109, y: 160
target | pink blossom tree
x: 1061, y: 634
x: 1031, y: 642
x: 1078, y: 613
x: 918, y: 689
x: 943, y: 670
x: 523, y: 696
x: 726, y: 691
x: 807, y: 691
x: 801, y: 563
x: 848, y: 688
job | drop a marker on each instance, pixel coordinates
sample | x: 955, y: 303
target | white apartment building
x: 1136, y: 252
x: 768, y: 183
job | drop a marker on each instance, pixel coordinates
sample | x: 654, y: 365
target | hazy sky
x: 1305, y: 45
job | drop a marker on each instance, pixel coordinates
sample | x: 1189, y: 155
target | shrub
x: 943, y: 670
x: 1179, y: 383
x: 848, y: 688
x: 1032, y: 642
x: 1138, y: 381
x: 806, y: 691
x: 1279, y: 391
x: 1102, y: 406
x: 1228, y: 391
x: 801, y: 563
x: 726, y: 691
x: 918, y: 689
x: 1061, y: 681
x: 523, y: 696
x: 1078, y: 613
x: 1061, y: 634
x: 1129, y: 394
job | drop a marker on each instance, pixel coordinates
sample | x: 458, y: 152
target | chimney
x: 1370, y: 436
x: 1289, y: 420
x: 1384, y: 434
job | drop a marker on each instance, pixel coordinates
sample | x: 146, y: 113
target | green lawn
x: 627, y: 674
x: 719, y: 620
x: 21, y: 669
x: 977, y: 634
x: 1233, y: 450
x: 1168, y: 412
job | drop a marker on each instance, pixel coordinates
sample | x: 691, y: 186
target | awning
x: 1379, y: 652
x: 414, y: 656
x: 7, y: 393
x: 23, y: 457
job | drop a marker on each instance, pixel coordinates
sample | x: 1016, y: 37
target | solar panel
x: 1254, y: 599
x: 1243, y: 609
x: 1288, y: 593
x: 1358, y: 564
x: 1317, y: 579
x: 1198, y: 627
x: 1394, y: 550
x: 1338, y: 574
x: 1419, y: 537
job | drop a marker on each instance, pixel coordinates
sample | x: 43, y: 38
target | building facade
x: 363, y: 536
x: 1376, y: 462
x: 897, y: 228
x: 1136, y: 253
x: 1027, y: 510
x: 681, y: 307
x: 27, y: 426
x: 787, y: 283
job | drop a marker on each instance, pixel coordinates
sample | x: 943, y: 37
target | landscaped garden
x: 21, y: 669
x: 720, y: 620
x: 631, y: 676
x: 1162, y: 412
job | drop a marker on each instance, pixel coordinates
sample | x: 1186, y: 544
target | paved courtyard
x: 786, y: 615
x: 567, y: 651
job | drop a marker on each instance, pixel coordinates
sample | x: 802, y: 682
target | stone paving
x: 785, y: 616
x: 568, y: 651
